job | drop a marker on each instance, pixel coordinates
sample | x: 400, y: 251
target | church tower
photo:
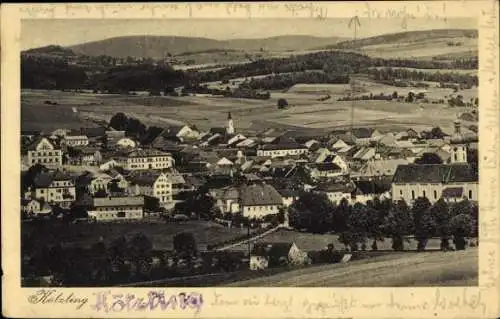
x: 230, y: 125
x: 458, y: 146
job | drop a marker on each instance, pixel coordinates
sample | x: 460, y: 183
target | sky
x: 66, y: 32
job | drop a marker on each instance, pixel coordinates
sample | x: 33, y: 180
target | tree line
x: 51, y: 72
x: 385, y: 74
x: 357, y: 224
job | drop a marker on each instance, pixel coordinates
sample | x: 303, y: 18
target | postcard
x: 253, y: 159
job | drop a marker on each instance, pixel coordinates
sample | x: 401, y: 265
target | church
x: 453, y: 182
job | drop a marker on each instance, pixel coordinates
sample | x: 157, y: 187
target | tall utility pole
x: 354, y: 22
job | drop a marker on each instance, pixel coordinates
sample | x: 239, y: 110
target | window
x: 412, y: 194
x: 435, y: 194
x: 423, y: 193
x: 456, y: 157
x: 470, y: 194
x: 401, y: 192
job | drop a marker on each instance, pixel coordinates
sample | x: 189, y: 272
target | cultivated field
x: 458, y: 268
x: 305, y: 110
x: 160, y: 234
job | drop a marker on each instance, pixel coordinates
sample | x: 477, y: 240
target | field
x: 459, y: 268
x: 306, y: 111
x: 160, y: 234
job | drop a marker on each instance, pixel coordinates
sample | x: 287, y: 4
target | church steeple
x: 230, y: 125
x: 459, y: 146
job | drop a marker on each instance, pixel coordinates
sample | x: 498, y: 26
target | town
x: 321, y: 158
x: 272, y: 181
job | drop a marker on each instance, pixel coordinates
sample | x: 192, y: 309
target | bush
x: 282, y: 103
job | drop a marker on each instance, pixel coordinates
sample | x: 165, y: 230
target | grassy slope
x: 160, y: 234
x: 396, y: 270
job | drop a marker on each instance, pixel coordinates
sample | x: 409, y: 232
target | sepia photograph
x: 313, y: 152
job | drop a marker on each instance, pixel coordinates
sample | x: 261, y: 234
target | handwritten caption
x: 120, y: 302
x: 240, y: 9
x: 52, y: 296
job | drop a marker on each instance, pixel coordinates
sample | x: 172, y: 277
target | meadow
x: 305, y: 111
x: 457, y: 268
x: 159, y: 233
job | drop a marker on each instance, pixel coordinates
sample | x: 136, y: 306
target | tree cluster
x: 378, y: 220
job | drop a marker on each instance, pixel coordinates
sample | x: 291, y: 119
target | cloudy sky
x: 36, y: 33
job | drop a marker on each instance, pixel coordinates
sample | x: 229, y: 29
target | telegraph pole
x: 354, y: 22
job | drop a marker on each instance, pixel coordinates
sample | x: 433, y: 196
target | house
x: 247, y: 143
x: 267, y: 255
x: 336, y: 191
x: 109, y: 164
x: 86, y: 156
x: 60, y: 132
x: 236, y: 139
x: 364, y: 136
x: 380, y: 168
x: 325, y: 170
x: 126, y: 142
x: 282, y: 150
x: 118, y: 177
x: 144, y: 159
x: 99, y: 182
x: 117, y: 208
x: 180, y: 133
x: 365, y: 154
x: 112, y: 137
x: 259, y: 199
x: 289, y: 196
x: 368, y: 189
x: 413, y: 181
x: 35, y: 207
x: 228, y: 200
x: 177, y: 180
x: 42, y: 151
x: 337, y: 144
x: 153, y: 184
x: 75, y: 140
x: 54, y: 187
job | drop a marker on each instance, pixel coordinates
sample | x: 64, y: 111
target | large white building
x: 117, y: 208
x: 144, y: 159
x: 42, y: 151
x: 259, y: 199
x: 434, y: 181
x: 453, y: 181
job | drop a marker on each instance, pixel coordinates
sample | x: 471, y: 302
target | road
x: 458, y: 268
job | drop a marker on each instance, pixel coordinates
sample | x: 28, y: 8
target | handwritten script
x: 119, y: 302
x: 52, y: 296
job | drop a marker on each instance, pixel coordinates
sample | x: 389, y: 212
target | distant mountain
x: 405, y: 38
x: 51, y: 50
x: 159, y: 46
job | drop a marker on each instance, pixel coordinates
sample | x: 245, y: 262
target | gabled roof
x: 326, y: 166
x: 144, y: 179
x: 44, y: 179
x: 271, y: 249
x: 32, y: 146
x: 259, y: 194
x: 119, y: 201
x: 335, y: 188
x: 438, y: 173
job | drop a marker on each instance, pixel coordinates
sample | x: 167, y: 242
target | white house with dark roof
x: 117, y: 208
x: 42, y: 151
x: 282, y: 150
x: 430, y: 181
x: 336, y: 191
x: 35, y: 207
x: 54, y: 187
x: 153, y: 184
x: 144, y: 159
x: 259, y: 199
